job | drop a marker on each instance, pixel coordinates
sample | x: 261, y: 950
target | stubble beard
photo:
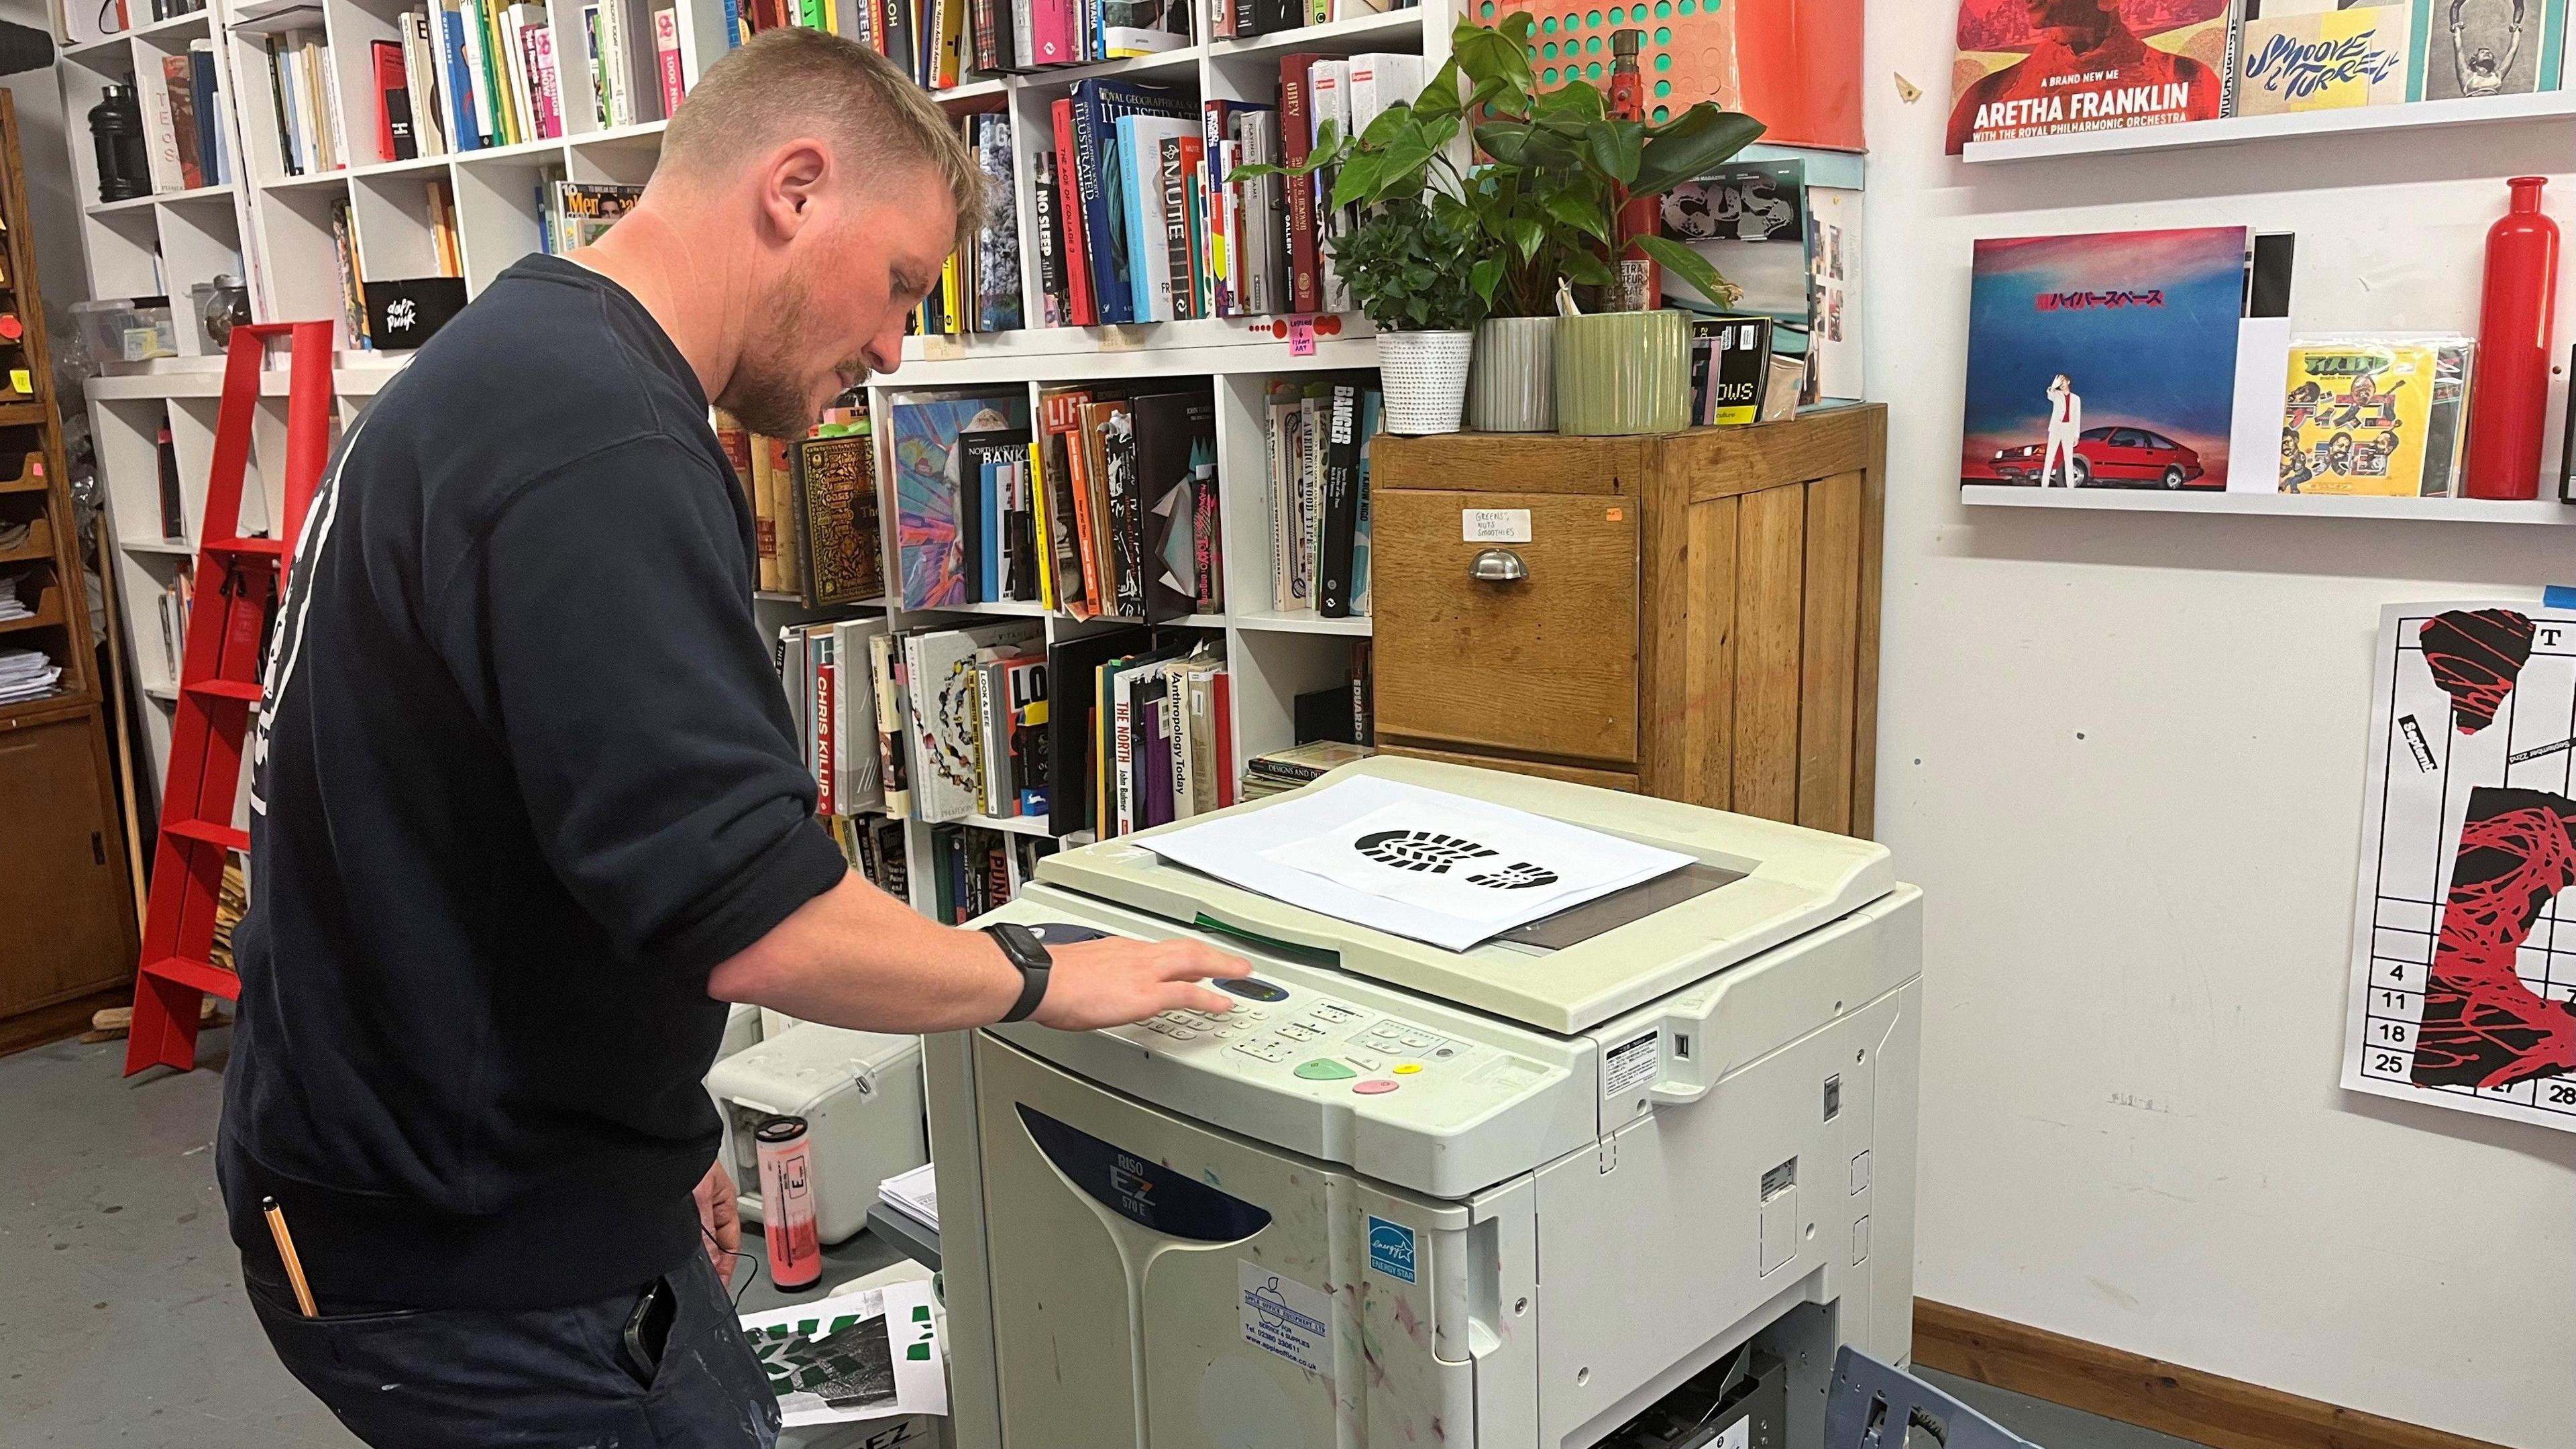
x: 766, y: 394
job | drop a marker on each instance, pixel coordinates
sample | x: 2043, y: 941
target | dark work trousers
x: 547, y: 1378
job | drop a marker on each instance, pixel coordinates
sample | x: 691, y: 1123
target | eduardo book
x: 2048, y: 67
x: 2106, y: 360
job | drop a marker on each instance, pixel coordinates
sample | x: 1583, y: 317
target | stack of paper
x: 914, y: 1194
x: 1420, y: 863
x: 27, y: 674
x: 11, y: 607
x: 870, y: 1354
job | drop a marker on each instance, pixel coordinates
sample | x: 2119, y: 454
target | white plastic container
x: 860, y: 1094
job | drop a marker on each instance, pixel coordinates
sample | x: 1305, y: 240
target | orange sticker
x: 1615, y: 514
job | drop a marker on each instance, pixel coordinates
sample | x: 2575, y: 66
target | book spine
x: 1295, y: 142
x: 1108, y: 287
x: 1340, y: 502
x: 549, y: 82
x: 1071, y: 215
x: 179, y: 84
x: 1176, y: 294
x: 1051, y: 26
x: 1051, y: 294
x: 884, y: 655
x: 666, y: 54
x: 464, y: 106
x: 167, y: 175
x: 825, y: 727
x: 479, y: 72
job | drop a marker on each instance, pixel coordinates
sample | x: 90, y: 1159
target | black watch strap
x: 1022, y: 948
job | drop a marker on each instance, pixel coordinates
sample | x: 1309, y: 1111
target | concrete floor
x: 124, y: 1323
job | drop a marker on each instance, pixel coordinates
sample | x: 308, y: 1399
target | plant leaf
x: 1609, y: 153
x: 1440, y: 97
x: 1573, y: 211
x: 1692, y: 144
x: 1693, y: 268
x: 1358, y: 180
x: 1525, y: 235
x: 1587, y: 270
x: 1485, y: 276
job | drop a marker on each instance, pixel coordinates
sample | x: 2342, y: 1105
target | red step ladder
x: 238, y: 583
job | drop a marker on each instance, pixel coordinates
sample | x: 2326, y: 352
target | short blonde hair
x: 794, y: 81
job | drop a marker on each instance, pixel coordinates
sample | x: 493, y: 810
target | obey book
x: 2105, y: 360
x: 2049, y: 67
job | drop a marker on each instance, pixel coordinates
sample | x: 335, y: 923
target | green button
x: 1324, y: 1069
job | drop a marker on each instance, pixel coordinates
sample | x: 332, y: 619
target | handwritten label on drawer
x: 1497, y: 525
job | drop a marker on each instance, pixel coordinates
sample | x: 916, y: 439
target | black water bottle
x: 124, y: 164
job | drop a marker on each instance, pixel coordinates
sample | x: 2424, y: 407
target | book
x: 946, y: 714
x: 1140, y: 141
x: 179, y: 85
x: 857, y: 780
x: 764, y: 513
x: 2104, y: 359
x: 1339, y: 520
x: 1730, y: 360
x: 2324, y: 60
x: 1363, y: 601
x: 1296, y: 141
x: 214, y: 140
x: 174, y: 519
x: 885, y: 671
x: 394, y: 141
x: 992, y: 472
x: 582, y: 211
x: 928, y: 493
x: 841, y: 543
x: 420, y: 84
x: 1073, y: 667
x: 457, y: 92
x: 2108, y: 66
x: 778, y: 458
x: 1082, y: 308
x: 1131, y: 28
x: 2485, y: 48
x: 161, y: 130
x: 1109, y: 437
x: 1175, y: 447
x: 1055, y: 303
x: 1060, y: 454
x: 666, y: 57
x: 997, y: 288
x: 1101, y: 181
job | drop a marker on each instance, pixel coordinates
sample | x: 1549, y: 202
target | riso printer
x: 1508, y: 1197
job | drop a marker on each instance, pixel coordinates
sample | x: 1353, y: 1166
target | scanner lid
x: 1788, y: 880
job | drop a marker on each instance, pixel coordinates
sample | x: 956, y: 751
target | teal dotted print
x: 1488, y: 11
x: 1663, y: 62
x: 1593, y: 70
x: 1663, y: 9
x: 1662, y: 112
x: 1548, y: 76
x: 1550, y: 25
x: 1663, y: 88
x: 1663, y: 35
x: 1593, y: 46
x: 1687, y: 6
x: 1548, y: 50
x: 1593, y: 18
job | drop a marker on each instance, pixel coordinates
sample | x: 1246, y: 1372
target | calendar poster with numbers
x: 2464, y: 937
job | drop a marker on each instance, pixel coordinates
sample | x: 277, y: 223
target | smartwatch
x: 1022, y: 948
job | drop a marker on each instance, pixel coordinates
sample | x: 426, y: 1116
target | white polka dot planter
x: 1425, y: 375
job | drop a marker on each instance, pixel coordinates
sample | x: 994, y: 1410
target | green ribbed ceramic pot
x: 1623, y: 372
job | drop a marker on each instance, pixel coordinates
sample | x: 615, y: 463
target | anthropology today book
x: 2048, y: 67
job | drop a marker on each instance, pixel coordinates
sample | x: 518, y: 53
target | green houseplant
x: 1543, y: 205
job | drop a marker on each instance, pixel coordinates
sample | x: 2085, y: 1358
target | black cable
x: 731, y: 1253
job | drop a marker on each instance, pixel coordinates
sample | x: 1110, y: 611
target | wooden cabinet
x: 67, y: 924
x: 1693, y: 616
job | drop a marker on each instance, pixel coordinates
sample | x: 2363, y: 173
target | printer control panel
x: 1307, y: 1037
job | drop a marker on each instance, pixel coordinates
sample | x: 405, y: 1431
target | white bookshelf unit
x: 275, y: 230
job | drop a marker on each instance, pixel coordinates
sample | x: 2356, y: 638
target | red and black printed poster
x: 2046, y: 67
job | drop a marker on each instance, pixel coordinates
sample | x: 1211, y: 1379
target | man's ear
x: 791, y: 183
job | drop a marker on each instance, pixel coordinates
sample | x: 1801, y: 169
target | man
x: 529, y: 809
x: 2065, y: 427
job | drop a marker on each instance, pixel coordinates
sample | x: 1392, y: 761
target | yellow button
x: 1406, y: 1069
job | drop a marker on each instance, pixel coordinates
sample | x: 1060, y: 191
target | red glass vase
x: 2509, y: 393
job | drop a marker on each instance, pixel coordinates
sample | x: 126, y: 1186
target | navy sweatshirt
x: 524, y: 778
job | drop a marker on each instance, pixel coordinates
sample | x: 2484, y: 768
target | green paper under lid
x: 1794, y: 881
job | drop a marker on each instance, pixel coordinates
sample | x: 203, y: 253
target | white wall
x: 2122, y: 754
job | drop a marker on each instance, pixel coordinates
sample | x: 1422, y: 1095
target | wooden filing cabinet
x: 1692, y: 616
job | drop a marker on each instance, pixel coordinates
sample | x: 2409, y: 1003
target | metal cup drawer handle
x: 1498, y: 566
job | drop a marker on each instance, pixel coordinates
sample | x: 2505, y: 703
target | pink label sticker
x: 1301, y: 337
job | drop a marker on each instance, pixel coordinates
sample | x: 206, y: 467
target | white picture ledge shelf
x: 2237, y: 130
x: 2278, y: 505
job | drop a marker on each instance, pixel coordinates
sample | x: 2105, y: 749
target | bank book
x: 1318, y: 435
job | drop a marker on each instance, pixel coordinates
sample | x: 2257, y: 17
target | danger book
x: 2048, y: 67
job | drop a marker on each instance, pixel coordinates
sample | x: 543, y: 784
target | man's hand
x: 1114, y: 981
x: 721, y: 1217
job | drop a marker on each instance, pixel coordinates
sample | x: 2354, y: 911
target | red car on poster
x: 2107, y: 456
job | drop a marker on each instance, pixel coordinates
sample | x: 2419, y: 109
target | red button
x: 1374, y: 1086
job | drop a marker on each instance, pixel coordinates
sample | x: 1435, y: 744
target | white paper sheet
x: 873, y: 1354
x: 1423, y: 864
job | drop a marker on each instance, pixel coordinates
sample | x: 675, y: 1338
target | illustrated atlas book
x: 2105, y: 360
x: 2049, y: 67
x: 2460, y: 997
